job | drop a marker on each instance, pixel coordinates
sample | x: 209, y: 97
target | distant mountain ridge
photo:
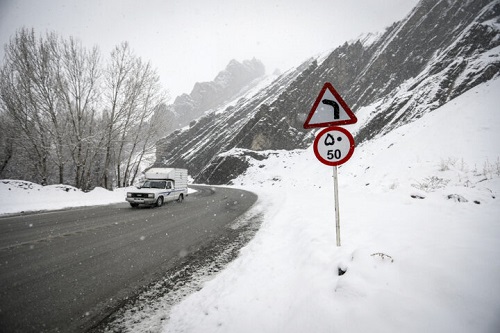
x: 207, y: 95
x: 440, y: 50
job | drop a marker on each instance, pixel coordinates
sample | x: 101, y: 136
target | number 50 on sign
x: 334, y: 146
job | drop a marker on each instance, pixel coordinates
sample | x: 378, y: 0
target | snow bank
x: 22, y: 196
x: 420, y: 223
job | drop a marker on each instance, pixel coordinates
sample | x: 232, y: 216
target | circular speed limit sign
x: 334, y: 146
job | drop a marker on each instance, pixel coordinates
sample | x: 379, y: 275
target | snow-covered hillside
x: 420, y: 224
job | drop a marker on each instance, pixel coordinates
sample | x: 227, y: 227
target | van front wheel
x: 159, y: 202
x: 181, y: 197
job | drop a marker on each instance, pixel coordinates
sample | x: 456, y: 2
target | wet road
x: 64, y: 271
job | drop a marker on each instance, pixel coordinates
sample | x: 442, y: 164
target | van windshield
x: 154, y: 184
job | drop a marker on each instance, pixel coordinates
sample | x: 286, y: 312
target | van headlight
x: 129, y: 195
x: 151, y: 195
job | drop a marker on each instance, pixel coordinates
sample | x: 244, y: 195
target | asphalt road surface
x: 64, y: 271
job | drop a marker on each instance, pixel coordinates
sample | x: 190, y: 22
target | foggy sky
x: 190, y: 41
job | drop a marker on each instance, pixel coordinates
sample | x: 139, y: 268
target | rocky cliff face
x: 440, y: 50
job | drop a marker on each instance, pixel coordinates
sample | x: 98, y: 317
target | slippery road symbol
x: 335, y: 105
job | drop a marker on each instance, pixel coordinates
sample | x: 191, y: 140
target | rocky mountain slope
x: 440, y: 50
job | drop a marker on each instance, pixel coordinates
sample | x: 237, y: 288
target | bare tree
x: 28, y: 95
x: 78, y: 80
x: 133, y: 91
x: 116, y: 77
x: 147, y: 146
x: 7, y: 139
x: 137, y: 139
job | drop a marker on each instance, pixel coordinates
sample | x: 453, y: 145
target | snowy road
x: 66, y: 270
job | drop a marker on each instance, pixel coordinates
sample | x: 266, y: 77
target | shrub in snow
x: 383, y: 256
x: 431, y: 184
x: 457, y: 198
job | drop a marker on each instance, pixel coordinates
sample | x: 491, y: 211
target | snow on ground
x: 420, y: 231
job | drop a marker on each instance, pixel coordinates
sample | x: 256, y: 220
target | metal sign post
x: 336, y: 194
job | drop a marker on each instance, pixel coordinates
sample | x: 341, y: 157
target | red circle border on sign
x: 339, y: 162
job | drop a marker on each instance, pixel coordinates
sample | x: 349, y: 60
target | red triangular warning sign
x: 329, y: 109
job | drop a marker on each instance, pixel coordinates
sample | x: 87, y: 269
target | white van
x: 161, y: 185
